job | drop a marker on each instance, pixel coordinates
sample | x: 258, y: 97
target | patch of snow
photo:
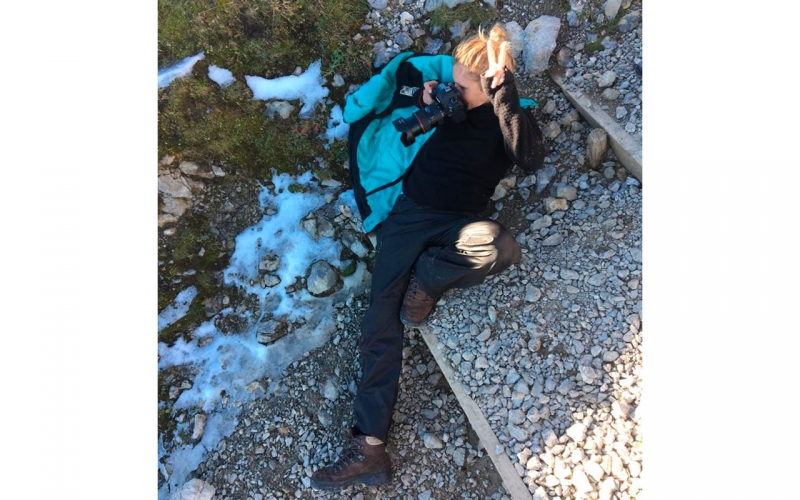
x: 181, y: 69
x: 308, y: 87
x: 282, y: 234
x: 237, y: 363
x: 337, y: 128
x: 178, y: 309
x: 222, y: 76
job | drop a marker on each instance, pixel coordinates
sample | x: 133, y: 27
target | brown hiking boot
x: 361, y: 463
x: 417, y: 305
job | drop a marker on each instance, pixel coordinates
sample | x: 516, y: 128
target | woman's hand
x: 497, y: 68
x: 426, y: 93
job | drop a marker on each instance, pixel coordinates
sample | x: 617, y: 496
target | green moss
x: 257, y: 37
x: 192, y: 235
x: 166, y: 424
x: 350, y: 269
x: 476, y: 12
x: 609, y: 26
x: 592, y: 47
x: 269, y: 38
x: 191, y: 320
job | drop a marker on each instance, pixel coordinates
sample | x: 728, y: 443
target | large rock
x: 572, y: 19
x: 569, y: 193
x: 544, y: 176
x: 432, y: 46
x: 515, y: 37
x: 563, y: 57
x: 459, y: 29
x: 199, y: 426
x: 503, y: 187
x: 322, y: 279
x: 191, y: 168
x: 577, y: 432
x: 606, y: 79
x: 551, y: 130
x: 352, y: 241
x: 331, y: 389
x: 281, y: 108
x: 270, y: 331
x: 432, y: 442
x: 517, y: 433
x: 612, y: 8
x: 596, y: 146
x: 271, y: 262
x: 629, y: 22
x: 610, y: 94
x: 459, y: 456
x: 383, y: 54
x: 540, y: 42
x: 175, y: 206
x: 378, y: 4
x: 177, y: 187
x: 404, y: 40
x: 555, y: 204
x: 194, y: 489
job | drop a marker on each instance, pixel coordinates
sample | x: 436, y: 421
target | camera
x: 447, y: 103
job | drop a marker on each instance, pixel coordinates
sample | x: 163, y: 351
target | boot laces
x: 415, y: 290
x: 350, y: 455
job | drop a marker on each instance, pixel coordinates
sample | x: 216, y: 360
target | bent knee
x: 488, y: 242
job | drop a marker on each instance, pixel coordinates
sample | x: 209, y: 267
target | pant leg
x: 401, y: 238
x: 470, y: 249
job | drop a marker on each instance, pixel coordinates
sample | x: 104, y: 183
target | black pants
x: 446, y: 250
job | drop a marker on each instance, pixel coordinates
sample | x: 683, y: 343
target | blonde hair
x: 472, y: 52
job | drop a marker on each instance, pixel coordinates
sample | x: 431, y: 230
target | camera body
x: 447, y: 103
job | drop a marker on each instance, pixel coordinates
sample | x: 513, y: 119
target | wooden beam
x: 627, y: 148
x: 511, y: 480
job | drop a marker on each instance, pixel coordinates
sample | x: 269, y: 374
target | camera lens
x: 447, y: 104
x: 419, y: 123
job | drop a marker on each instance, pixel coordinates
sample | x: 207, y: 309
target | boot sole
x: 407, y: 322
x: 378, y: 478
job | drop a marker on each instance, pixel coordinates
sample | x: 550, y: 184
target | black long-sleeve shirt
x: 460, y: 165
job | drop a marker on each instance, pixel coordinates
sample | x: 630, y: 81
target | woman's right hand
x: 426, y: 94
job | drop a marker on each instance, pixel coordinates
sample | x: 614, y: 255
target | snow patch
x: 237, y: 363
x: 337, y: 128
x: 308, y: 87
x: 178, y: 309
x: 222, y: 76
x: 181, y: 69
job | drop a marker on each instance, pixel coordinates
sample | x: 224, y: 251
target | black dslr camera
x: 447, y: 103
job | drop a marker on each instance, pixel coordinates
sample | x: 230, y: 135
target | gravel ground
x: 612, y: 73
x: 301, y: 426
x: 551, y: 350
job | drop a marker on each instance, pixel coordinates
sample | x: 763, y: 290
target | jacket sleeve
x: 523, y: 139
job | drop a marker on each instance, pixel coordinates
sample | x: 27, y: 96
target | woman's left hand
x: 497, y: 67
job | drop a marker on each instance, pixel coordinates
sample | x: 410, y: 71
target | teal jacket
x: 378, y: 159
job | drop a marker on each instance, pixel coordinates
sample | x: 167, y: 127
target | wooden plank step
x: 627, y: 148
x: 511, y: 480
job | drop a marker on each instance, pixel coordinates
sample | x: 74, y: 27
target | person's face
x: 469, y: 85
